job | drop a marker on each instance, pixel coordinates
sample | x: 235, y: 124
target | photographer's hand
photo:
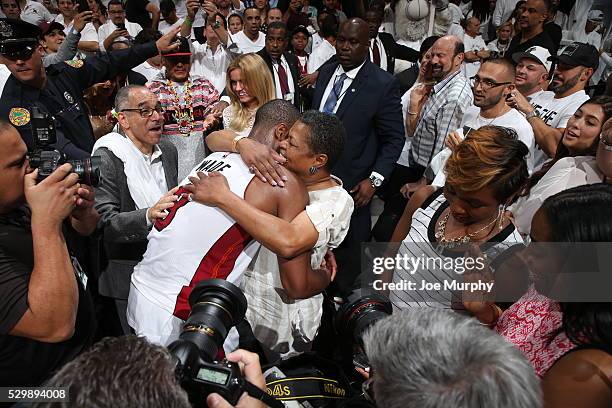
x: 249, y: 365
x: 84, y: 217
x: 53, y: 199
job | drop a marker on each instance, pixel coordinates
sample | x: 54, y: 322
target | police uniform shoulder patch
x: 75, y: 63
x: 19, y: 116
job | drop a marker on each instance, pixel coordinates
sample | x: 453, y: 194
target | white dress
x: 285, y: 326
x: 228, y: 115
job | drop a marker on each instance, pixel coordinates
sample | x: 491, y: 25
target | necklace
x: 182, y: 112
x: 457, y: 241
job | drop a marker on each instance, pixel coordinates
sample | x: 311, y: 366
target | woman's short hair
x: 257, y: 78
x: 326, y: 135
x: 491, y: 156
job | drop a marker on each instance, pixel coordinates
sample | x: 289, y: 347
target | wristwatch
x: 533, y: 114
x: 375, y: 181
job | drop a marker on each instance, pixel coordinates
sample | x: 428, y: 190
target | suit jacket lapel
x: 354, y: 89
x: 170, y: 174
x: 325, y: 76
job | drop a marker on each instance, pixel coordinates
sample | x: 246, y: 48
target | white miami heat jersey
x: 195, y: 242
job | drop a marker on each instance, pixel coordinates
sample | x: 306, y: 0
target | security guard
x: 58, y: 90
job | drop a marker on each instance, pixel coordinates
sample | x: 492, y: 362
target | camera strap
x: 297, y: 388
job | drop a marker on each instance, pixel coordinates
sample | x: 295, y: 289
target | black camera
x: 360, y: 310
x: 46, y: 158
x: 216, y: 306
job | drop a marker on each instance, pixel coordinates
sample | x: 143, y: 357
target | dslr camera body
x: 216, y: 306
x: 46, y: 158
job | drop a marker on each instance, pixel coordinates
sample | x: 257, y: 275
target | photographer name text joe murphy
x: 412, y: 265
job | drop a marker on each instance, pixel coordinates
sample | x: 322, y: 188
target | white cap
x: 537, y: 53
x: 595, y: 15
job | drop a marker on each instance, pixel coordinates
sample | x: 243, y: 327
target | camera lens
x: 216, y: 306
x: 358, y: 313
x: 88, y: 170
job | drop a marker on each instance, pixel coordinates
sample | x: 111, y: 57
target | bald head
x: 352, y: 43
x: 446, y: 56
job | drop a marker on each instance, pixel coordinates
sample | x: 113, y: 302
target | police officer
x: 58, y: 90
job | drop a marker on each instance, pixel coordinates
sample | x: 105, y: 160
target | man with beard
x: 548, y: 114
x: 491, y: 85
x: 441, y: 106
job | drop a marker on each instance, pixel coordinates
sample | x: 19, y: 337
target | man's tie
x: 282, y: 78
x: 375, y: 52
x: 334, y: 95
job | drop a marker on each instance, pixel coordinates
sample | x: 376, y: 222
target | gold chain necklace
x: 457, y: 241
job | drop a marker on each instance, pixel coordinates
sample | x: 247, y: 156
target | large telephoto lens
x: 358, y: 313
x: 216, y: 306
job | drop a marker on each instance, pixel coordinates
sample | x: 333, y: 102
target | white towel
x: 140, y: 180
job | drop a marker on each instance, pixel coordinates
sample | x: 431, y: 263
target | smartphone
x: 121, y: 26
x: 83, y: 6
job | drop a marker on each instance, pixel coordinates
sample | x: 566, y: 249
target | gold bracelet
x: 235, y: 143
x: 413, y: 113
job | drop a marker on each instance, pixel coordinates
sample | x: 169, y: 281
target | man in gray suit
x: 139, y: 174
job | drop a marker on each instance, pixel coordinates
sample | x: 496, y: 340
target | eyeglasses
x: 486, y: 84
x: 607, y: 144
x: 145, y: 112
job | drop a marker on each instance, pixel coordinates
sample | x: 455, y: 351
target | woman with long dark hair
x: 569, y: 344
x: 573, y: 164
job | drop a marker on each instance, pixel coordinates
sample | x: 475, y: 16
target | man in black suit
x: 383, y: 48
x: 282, y: 65
x: 367, y: 101
x: 139, y: 170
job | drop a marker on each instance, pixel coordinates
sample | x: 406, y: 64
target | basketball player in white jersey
x: 197, y: 242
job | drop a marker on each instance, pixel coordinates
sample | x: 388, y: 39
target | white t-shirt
x: 472, y: 120
x: 148, y: 70
x: 472, y: 44
x: 107, y: 28
x: 164, y: 27
x: 319, y: 55
x: 555, y: 112
x: 34, y: 12
x: 245, y: 44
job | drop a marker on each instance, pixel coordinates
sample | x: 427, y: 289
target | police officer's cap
x: 15, y: 35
